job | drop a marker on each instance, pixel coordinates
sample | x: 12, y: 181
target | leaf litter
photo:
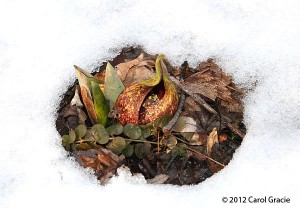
x: 184, y: 146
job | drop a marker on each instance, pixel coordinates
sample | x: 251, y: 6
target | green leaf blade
x: 100, y: 104
x: 113, y: 85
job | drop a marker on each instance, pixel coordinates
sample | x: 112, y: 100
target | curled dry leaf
x: 76, y: 99
x: 211, y: 140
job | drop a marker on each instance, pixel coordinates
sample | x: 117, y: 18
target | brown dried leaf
x: 76, y: 99
x: 169, y: 141
x: 137, y: 74
x: 158, y: 179
x: 101, y: 160
x: 135, y: 70
x: 185, y: 124
x: 86, y: 95
x: 123, y: 68
x: 212, y: 83
x: 198, y: 139
x: 89, y: 104
x: 211, y: 140
x: 73, y: 116
x: 209, y: 86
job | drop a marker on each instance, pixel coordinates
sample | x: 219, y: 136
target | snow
x: 255, y: 41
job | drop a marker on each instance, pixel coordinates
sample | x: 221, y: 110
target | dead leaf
x: 73, y: 116
x: 185, y: 124
x: 123, y: 68
x: 86, y: 95
x: 76, y: 99
x: 169, y: 141
x: 211, y: 140
x: 101, y: 160
x: 89, y: 104
x: 137, y: 74
x: 92, y: 96
x: 198, y: 139
x: 212, y: 83
x: 208, y: 86
x: 158, y: 179
x: 135, y: 70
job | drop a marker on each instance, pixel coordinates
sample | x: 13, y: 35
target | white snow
x: 255, y: 41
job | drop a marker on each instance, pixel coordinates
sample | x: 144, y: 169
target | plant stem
x: 138, y: 140
x: 195, y: 151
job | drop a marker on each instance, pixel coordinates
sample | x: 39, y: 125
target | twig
x: 195, y: 151
x: 196, y: 97
x: 158, y: 142
x: 235, y: 130
x: 202, y: 102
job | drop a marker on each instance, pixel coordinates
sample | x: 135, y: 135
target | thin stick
x: 235, y: 130
x: 195, y: 151
x: 158, y: 142
x: 196, y: 97
x: 202, y: 102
